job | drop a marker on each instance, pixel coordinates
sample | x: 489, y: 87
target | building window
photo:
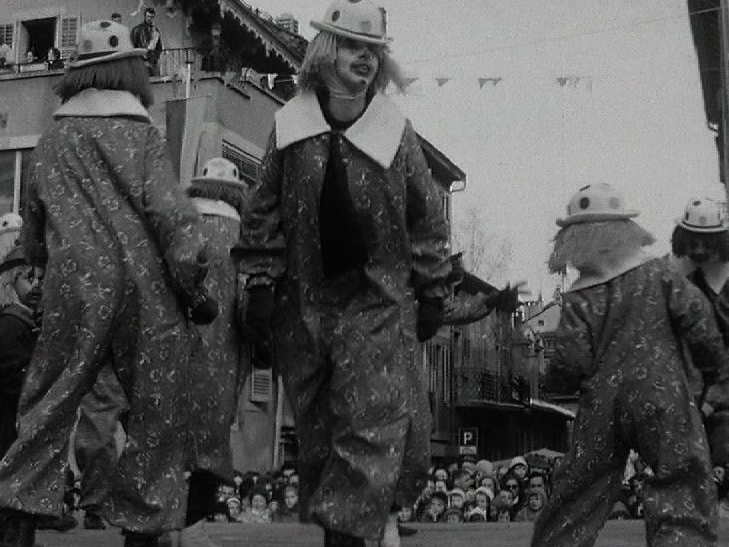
x: 39, y: 36
x: 6, y: 34
x: 69, y: 30
x: 248, y: 165
x: 14, y: 166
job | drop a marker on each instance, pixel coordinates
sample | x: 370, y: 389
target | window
x: 14, y: 166
x: 69, y: 29
x: 248, y: 165
x: 6, y: 34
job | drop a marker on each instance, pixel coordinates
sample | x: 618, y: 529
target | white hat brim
x: 595, y: 217
x: 701, y: 229
x: 136, y: 52
x: 326, y: 27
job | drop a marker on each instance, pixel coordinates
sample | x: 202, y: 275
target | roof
x: 538, y: 404
x: 277, y: 41
x: 440, y: 165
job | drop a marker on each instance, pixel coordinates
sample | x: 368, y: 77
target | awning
x: 538, y: 404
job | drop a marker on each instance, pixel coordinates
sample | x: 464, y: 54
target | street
x: 628, y: 533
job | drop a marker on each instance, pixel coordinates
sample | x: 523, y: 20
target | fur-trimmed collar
x: 630, y: 263
x: 377, y: 133
x: 215, y: 207
x: 103, y: 103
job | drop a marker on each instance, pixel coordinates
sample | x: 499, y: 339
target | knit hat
x: 484, y: 467
x: 358, y: 20
x: 518, y: 460
x: 487, y: 491
x: 457, y: 492
x: 703, y: 216
x: 102, y: 41
x: 14, y: 258
x: 594, y: 203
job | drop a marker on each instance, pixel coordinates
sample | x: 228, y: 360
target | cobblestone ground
x: 615, y: 534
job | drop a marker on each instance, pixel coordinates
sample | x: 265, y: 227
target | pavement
x: 618, y: 533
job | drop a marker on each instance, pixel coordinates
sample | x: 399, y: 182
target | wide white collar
x: 215, y: 207
x: 377, y: 133
x: 630, y: 263
x: 103, y: 103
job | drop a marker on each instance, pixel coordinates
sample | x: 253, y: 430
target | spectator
x: 456, y: 498
x: 258, y: 511
x: 484, y: 497
x: 441, y: 474
x: 462, y: 479
x: 514, y: 488
x: 453, y: 515
x: 441, y: 486
x: 634, y: 501
x: 53, y: 59
x: 501, y: 508
x: 468, y: 463
x: 234, y: 508
x: 534, y: 505
x: 405, y: 515
x: 483, y: 468
x: 29, y: 56
x: 289, y: 510
x: 436, y: 508
x: 537, y: 481
x: 519, y: 468
x: 147, y: 36
x: 491, y: 483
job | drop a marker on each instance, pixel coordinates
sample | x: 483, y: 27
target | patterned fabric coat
x: 219, y: 362
x: 116, y: 234
x: 617, y: 343
x: 346, y: 344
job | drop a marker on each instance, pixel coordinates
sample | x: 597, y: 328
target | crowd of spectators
x: 462, y: 491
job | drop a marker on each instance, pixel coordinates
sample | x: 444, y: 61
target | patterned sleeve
x: 574, y: 353
x: 426, y: 222
x: 170, y: 215
x: 696, y: 323
x: 260, y: 251
x: 34, y: 220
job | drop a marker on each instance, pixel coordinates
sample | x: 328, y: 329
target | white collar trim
x: 377, y: 133
x: 103, y: 103
x: 215, y: 207
x: 626, y: 265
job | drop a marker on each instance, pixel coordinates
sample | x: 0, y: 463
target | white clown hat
x: 102, y: 41
x: 594, y: 203
x: 356, y: 19
x: 703, y: 216
x: 220, y: 170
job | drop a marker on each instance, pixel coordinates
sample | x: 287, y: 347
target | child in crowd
x: 618, y: 344
x: 535, y: 500
x: 436, y: 508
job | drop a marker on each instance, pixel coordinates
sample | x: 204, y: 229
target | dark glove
x: 201, y: 308
x: 430, y: 317
x: 259, y: 312
x: 507, y: 299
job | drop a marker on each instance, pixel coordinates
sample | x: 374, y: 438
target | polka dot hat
x: 102, y: 41
x: 356, y: 19
x: 594, y: 203
x: 704, y: 216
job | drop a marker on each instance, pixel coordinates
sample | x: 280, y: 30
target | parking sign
x: 468, y: 440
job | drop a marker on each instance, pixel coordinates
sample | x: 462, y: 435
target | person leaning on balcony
x: 347, y: 225
x: 148, y: 37
x: 123, y: 254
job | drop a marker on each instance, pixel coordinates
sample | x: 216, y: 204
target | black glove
x: 507, y: 299
x: 430, y: 317
x: 201, y: 308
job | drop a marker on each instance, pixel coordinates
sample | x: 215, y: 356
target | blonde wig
x: 8, y: 294
x: 322, y: 50
x: 588, y: 246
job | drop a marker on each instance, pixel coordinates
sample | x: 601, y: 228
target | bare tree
x: 484, y: 254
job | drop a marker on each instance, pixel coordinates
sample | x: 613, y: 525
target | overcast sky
x: 634, y: 119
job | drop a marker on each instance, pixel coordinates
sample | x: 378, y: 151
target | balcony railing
x: 481, y: 384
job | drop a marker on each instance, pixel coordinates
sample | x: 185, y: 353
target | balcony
x: 478, y: 385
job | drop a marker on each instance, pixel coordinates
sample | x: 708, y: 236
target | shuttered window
x: 69, y: 30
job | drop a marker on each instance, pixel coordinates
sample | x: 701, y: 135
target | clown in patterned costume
x: 219, y: 195
x: 701, y: 240
x: 619, y: 344
x: 347, y: 225
x: 124, y: 260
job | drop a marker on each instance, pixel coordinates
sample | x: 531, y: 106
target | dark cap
x: 16, y: 257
